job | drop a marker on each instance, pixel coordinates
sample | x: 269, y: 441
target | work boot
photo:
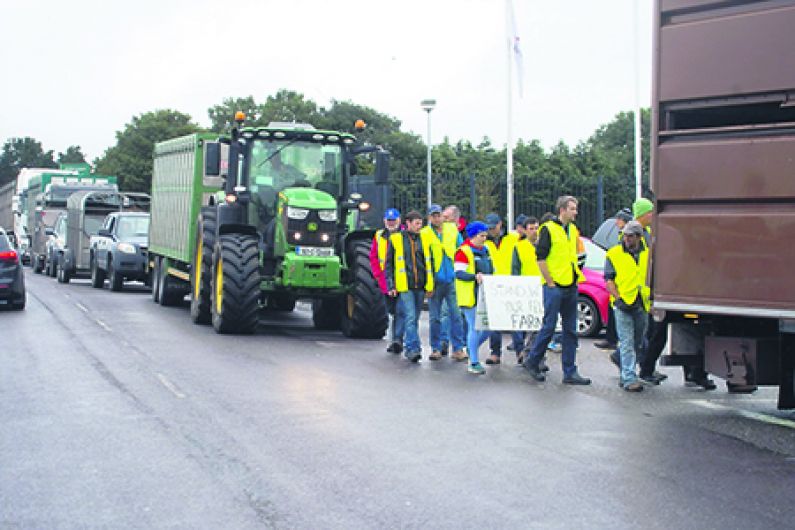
x: 605, y: 345
x: 535, y: 372
x: 634, y: 386
x: 576, y: 379
x: 459, y: 356
x: 395, y: 347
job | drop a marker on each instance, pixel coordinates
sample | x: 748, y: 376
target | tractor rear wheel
x: 326, y: 313
x: 202, y: 266
x: 235, y: 284
x: 363, y: 312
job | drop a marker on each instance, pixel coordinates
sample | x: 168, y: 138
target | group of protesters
x: 445, y: 261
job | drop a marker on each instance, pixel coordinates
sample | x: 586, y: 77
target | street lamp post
x: 428, y: 105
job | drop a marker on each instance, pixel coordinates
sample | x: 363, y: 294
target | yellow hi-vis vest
x: 436, y: 249
x: 527, y: 257
x: 630, y: 277
x: 562, y: 258
x: 465, y: 289
x: 501, y: 262
x: 382, y: 244
x: 401, y: 276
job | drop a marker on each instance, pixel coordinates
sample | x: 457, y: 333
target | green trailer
x: 262, y: 219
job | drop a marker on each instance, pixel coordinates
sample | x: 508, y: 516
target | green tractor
x: 284, y: 228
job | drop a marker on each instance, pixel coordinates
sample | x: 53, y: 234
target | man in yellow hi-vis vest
x: 524, y: 263
x: 441, y: 240
x: 408, y: 278
x: 625, y: 275
x: 556, y: 253
x: 378, y: 264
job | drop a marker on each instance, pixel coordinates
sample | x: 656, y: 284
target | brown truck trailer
x: 723, y: 176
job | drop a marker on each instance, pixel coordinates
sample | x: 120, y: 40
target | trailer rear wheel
x: 201, y: 269
x: 155, y: 279
x: 235, y: 284
x: 169, y: 294
x: 364, y: 312
x: 326, y: 313
x: 62, y: 274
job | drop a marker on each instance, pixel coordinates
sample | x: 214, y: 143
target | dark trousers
x: 611, y: 335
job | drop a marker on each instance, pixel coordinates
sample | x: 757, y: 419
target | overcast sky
x: 75, y: 72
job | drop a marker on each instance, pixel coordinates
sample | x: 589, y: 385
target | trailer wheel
x: 155, y: 272
x: 116, y: 279
x: 364, y: 312
x: 327, y: 313
x: 97, y: 275
x: 169, y: 294
x: 201, y: 268
x: 62, y: 274
x: 235, y: 284
x: 38, y: 264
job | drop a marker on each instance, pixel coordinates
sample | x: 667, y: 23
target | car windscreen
x: 137, y: 226
x: 594, y: 256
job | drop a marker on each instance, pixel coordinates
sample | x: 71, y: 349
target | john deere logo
x: 311, y: 227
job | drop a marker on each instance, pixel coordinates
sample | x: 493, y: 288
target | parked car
x: 593, y: 299
x: 12, y: 277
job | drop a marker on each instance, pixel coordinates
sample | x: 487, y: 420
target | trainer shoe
x: 414, y: 357
x: 435, y: 356
x: 395, y: 347
x: 555, y: 347
x: 493, y: 359
x: 476, y: 369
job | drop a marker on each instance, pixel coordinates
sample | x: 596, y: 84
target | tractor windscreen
x: 286, y: 164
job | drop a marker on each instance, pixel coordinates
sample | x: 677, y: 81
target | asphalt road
x: 118, y: 413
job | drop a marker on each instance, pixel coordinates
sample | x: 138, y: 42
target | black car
x: 12, y: 277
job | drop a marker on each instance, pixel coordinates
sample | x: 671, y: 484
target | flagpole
x: 509, y: 144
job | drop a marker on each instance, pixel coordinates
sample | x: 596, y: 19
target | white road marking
x: 81, y: 307
x: 326, y: 344
x: 765, y: 418
x: 170, y: 386
x: 103, y: 325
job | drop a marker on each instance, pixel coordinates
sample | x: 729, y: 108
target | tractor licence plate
x: 322, y: 252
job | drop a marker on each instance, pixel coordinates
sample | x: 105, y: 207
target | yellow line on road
x: 765, y: 418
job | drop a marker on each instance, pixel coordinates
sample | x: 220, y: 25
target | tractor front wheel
x: 363, y: 311
x: 235, y: 284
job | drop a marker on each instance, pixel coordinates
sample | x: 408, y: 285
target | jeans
x: 412, y: 307
x: 495, y: 343
x: 444, y: 297
x: 631, y: 326
x: 474, y: 337
x: 557, y: 301
x: 397, y: 320
x: 611, y: 335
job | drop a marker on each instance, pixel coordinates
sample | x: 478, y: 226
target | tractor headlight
x: 126, y: 248
x: 297, y: 213
x: 327, y: 215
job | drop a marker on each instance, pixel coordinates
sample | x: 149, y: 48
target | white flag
x: 513, y: 42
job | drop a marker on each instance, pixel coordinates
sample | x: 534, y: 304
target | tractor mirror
x: 381, y: 167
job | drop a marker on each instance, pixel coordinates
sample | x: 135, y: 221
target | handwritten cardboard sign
x: 510, y: 303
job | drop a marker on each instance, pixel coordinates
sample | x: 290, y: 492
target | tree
x: 73, y: 155
x: 131, y: 158
x: 223, y: 116
x: 19, y: 153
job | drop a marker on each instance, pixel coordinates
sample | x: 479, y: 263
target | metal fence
x: 479, y: 194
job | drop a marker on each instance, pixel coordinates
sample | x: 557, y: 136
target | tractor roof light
x: 240, y: 116
x: 364, y: 206
x: 263, y: 134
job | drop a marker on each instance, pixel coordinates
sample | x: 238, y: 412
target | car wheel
x: 588, y: 322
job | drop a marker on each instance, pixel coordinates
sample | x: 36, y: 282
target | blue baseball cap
x: 392, y: 214
x: 492, y: 219
x: 435, y: 208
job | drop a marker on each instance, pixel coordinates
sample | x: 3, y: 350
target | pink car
x: 593, y: 299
